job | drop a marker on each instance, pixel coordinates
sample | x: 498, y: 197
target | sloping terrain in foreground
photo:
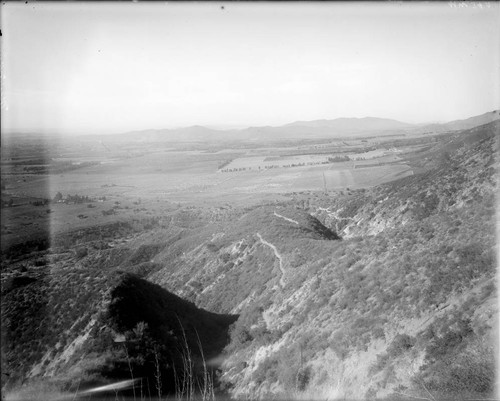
x: 85, y: 327
x: 384, y: 292
x: 404, y: 304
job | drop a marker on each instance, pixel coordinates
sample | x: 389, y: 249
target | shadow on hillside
x: 161, y: 332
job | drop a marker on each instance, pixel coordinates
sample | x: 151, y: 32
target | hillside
x: 387, y: 291
x: 408, y: 290
x: 472, y: 121
x: 94, y: 325
x: 217, y: 266
x: 459, y: 125
x: 461, y: 170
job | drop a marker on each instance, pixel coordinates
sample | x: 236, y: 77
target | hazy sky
x: 73, y: 68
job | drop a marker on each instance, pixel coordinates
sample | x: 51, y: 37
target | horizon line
x: 236, y: 127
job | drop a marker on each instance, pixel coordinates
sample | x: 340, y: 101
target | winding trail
x: 286, y: 218
x: 280, y: 258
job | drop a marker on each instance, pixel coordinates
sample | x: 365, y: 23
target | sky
x: 100, y: 68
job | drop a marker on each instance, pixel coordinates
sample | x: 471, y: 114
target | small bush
x: 400, y: 344
x: 467, y: 372
x: 213, y: 247
x: 81, y: 252
x: 303, y: 378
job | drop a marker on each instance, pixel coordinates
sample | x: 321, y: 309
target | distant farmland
x: 189, y: 176
x: 259, y: 163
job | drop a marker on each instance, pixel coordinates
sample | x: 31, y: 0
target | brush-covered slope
x: 65, y: 308
x: 405, y: 305
x: 460, y: 170
x: 334, y: 331
x: 225, y: 265
x: 85, y: 326
x: 408, y: 293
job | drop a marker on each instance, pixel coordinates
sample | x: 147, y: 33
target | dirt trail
x: 286, y: 218
x: 276, y: 253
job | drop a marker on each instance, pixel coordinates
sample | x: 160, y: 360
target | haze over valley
x: 340, y: 244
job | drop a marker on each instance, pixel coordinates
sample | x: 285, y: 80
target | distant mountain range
x: 336, y: 128
x: 353, y: 124
x: 458, y: 125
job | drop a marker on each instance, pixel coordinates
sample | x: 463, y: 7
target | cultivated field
x: 187, y: 177
x: 124, y: 180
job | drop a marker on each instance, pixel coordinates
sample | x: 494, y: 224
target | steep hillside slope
x: 87, y: 326
x: 461, y: 170
x: 408, y: 291
x: 83, y: 298
x: 406, y: 304
x: 224, y: 266
x: 472, y: 122
x: 368, y: 294
x: 351, y: 302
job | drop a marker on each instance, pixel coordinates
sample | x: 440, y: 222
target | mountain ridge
x: 322, y: 128
x: 343, y: 125
x: 463, y: 124
x: 354, y: 124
